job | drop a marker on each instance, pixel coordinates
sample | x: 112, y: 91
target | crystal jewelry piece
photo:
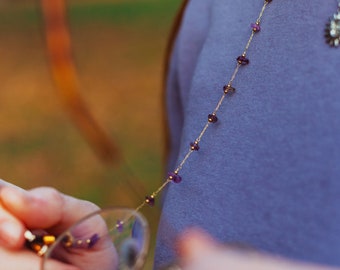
x: 228, y: 89
x: 332, y: 29
x: 242, y: 60
x: 150, y: 200
x: 212, y: 118
x: 174, y: 177
x: 256, y: 27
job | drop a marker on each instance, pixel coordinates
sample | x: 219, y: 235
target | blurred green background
x: 119, y: 48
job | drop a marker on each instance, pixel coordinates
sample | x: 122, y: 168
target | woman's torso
x: 267, y: 174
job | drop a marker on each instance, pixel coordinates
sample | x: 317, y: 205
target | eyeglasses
x: 108, y: 239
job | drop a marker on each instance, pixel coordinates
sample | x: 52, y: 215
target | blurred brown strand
x: 65, y: 77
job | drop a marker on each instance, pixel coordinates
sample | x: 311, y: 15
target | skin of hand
x: 42, y: 208
x: 199, y: 251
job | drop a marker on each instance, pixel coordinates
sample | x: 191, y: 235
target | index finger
x: 44, y: 207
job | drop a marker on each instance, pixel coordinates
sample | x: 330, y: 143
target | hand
x: 198, y: 251
x: 27, y: 260
x: 47, y: 209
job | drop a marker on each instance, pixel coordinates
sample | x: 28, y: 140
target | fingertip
x: 11, y: 234
x: 13, y: 198
x: 36, y: 208
x: 11, y: 229
x: 195, y: 242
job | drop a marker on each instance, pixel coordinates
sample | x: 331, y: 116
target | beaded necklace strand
x: 228, y: 89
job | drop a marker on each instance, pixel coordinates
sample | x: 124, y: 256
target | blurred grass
x: 119, y: 48
x: 87, y: 12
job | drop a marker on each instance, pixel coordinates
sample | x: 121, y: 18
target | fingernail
x: 10, y: 233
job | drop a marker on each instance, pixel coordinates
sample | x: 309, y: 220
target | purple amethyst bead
x: 256, y: 27
x: 194, y: 146
x: 212, y: 118
x: 150, y: 200
x: 242, y: 60
x: 228, y: 89
x: 93, y: 240
x: 119, y: 225
x: 174, y: 177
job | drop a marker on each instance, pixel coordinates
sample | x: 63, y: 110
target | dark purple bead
x: 150, y: 200
x: 256, y: 27
x: 120, y: 225
x: 242, y: 60
x: 268, y: 1
x: 212, y: 118
x: 93, y: 240
x: 67, y: 241
x: 228, y: 89
x: 194, y: 146
x: 174, y: 177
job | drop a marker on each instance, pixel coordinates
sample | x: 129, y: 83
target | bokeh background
x: 118, y: 48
